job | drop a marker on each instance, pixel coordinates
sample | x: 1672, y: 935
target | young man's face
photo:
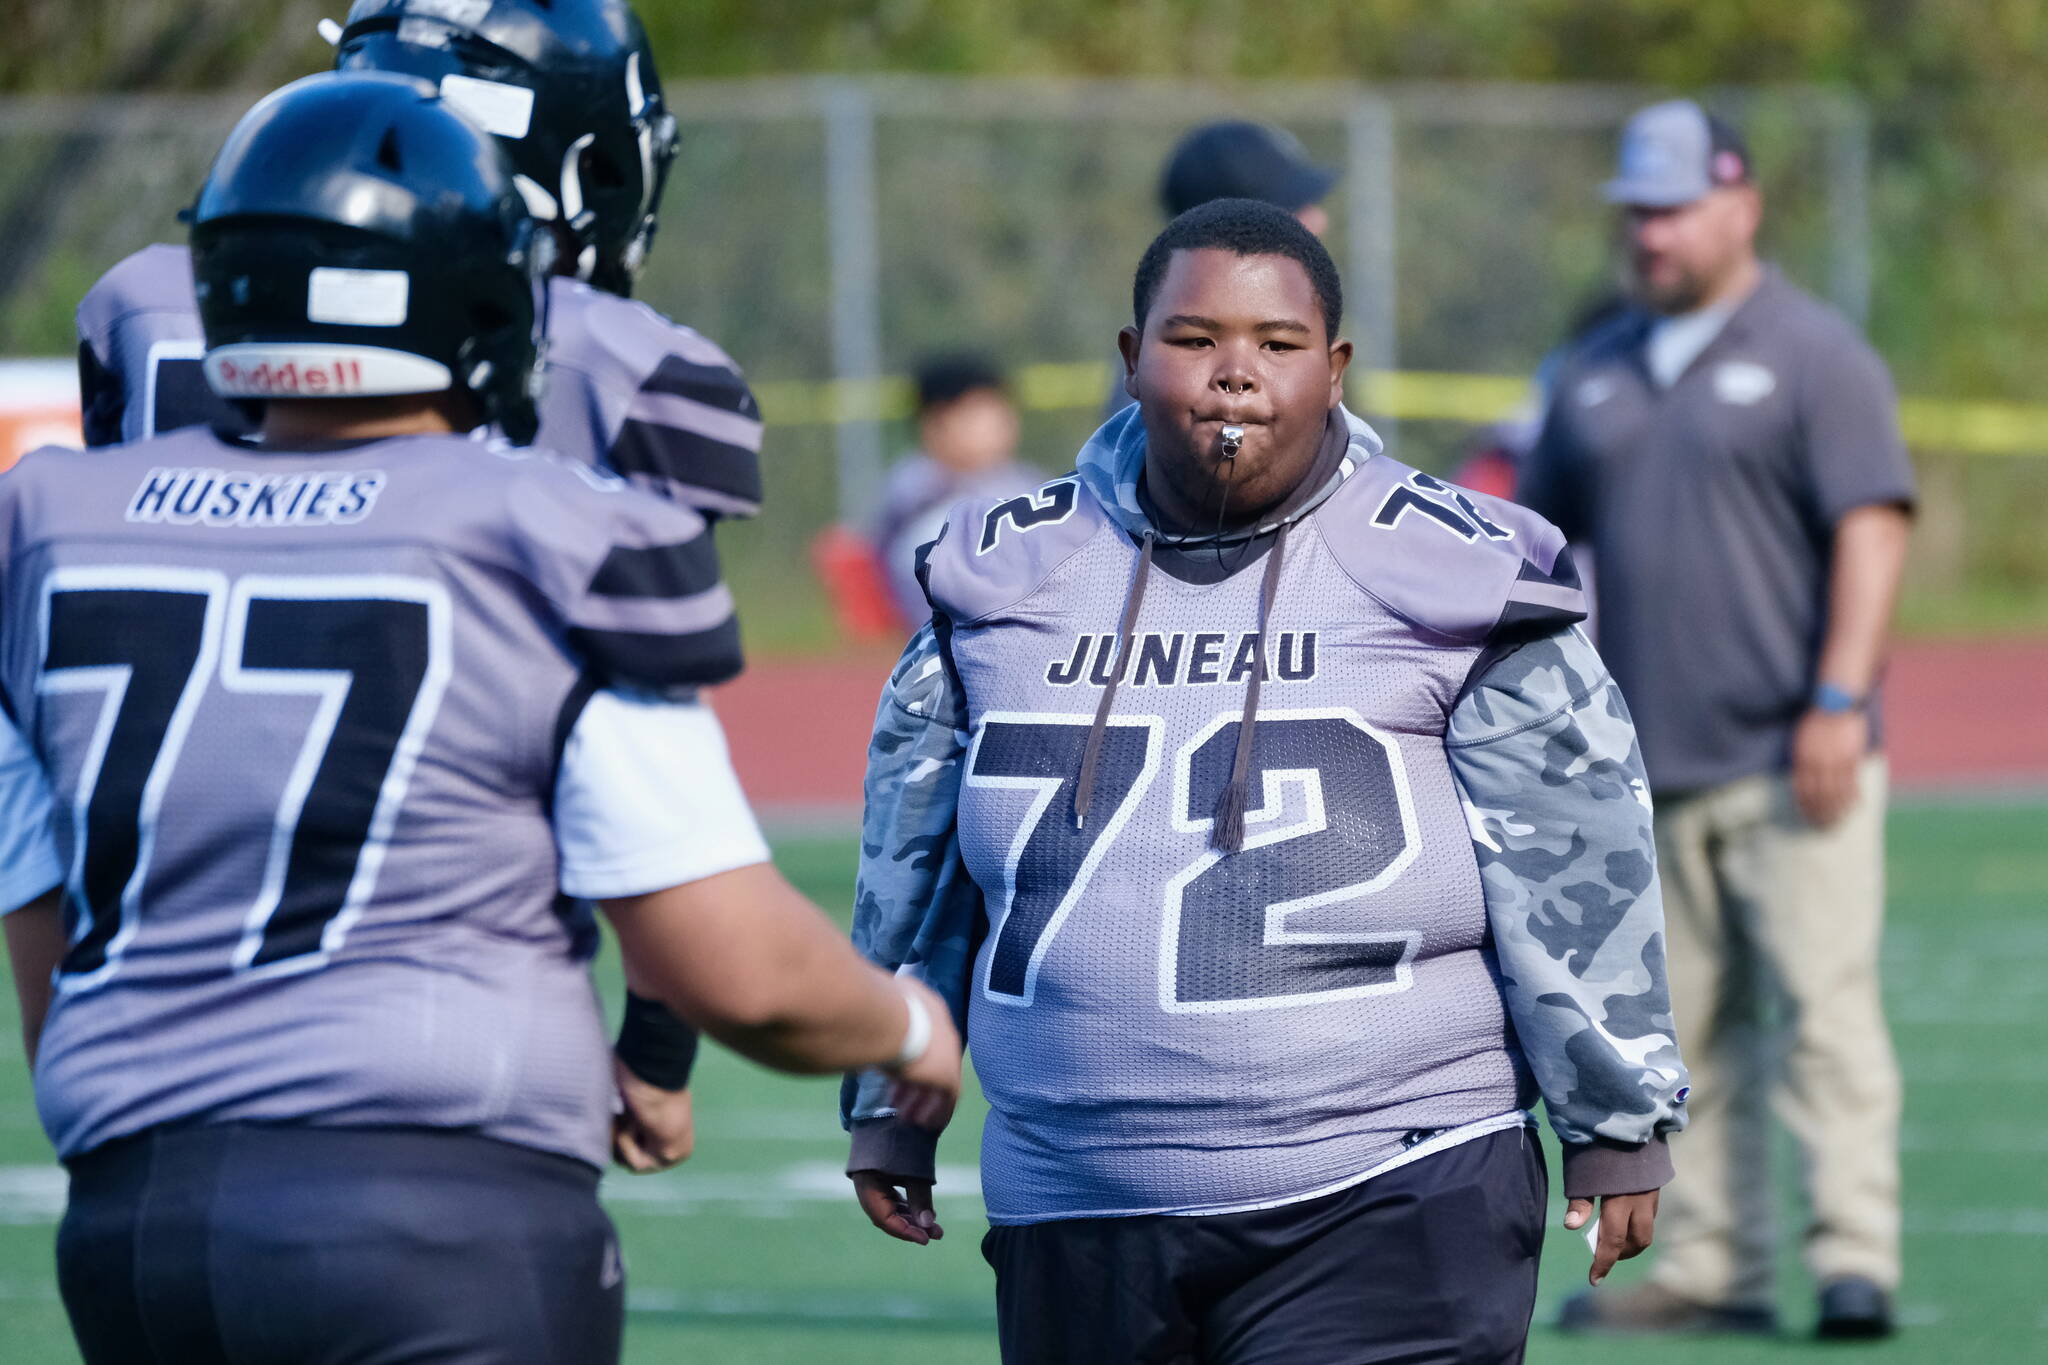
x: 1232, y: 341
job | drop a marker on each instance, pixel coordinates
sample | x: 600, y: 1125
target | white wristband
x: 917, y: 1036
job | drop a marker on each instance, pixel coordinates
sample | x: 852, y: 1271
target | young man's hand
x: 1627, y: 1224
x: 902, y: 1208
x: 655, y: 1128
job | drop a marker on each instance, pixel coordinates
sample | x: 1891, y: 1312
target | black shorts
x: 1433, y: 1263
x: 255, y: 1245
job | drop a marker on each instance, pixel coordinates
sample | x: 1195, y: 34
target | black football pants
x: 254, y: 1245
x: 1433, y: 1263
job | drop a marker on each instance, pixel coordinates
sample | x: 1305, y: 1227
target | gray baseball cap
x: 1674, y: 153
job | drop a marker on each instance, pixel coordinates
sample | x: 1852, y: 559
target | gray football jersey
x: 302, y: 714
x: 626, y: 389
x: 1159, y: 1027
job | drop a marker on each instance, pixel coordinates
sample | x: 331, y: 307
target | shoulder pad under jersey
x: 994, y: 552
x: 650, y: 398
x: 635, y: 577
x: 1456, y: 563
x: 156, y: 279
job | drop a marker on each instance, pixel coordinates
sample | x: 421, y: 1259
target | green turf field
x: 752, y: 1253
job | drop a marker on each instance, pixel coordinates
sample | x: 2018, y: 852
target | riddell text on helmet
x: 290, y: 377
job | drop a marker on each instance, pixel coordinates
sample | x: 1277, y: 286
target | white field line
x: 715, y: 1303
x: 34, y: 1195
x: 807, y: 1182
x: 738, y: 1303
x: 772, y: 1125
x: 1952, y: 1222
x: 1978, y: 1139
x: 31, y: 1195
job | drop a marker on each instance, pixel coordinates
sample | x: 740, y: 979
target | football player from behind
x: 334, y: 720
x: 570, y: 90
x: 1260, y: 802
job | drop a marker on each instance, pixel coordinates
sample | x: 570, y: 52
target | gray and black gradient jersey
x: 627, y: 390
x: 303, y: 715
x: 1430, y: 920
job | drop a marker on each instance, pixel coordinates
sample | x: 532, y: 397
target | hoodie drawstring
x: 1228, y: 834
x: 1084, y: 789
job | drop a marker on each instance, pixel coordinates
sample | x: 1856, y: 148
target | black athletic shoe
x: 1854, y: 1309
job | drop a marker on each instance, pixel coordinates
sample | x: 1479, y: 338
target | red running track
x: 1961, y: 714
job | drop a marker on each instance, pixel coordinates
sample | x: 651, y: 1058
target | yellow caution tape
x: 1960, y: 425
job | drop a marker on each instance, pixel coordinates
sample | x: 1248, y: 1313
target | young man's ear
x: 1340, y: 363
x: 1127, y: 342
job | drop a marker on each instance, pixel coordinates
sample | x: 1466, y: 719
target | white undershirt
x: 647, y: 799
x: 1676, y: 341
x: 28, y: 851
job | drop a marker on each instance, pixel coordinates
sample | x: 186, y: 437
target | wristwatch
x: 1832, y: 700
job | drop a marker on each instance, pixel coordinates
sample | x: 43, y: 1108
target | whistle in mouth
x: 1233, y: 440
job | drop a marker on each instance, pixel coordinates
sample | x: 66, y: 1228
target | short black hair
x: 1243, y: 227
x: 952, y: 375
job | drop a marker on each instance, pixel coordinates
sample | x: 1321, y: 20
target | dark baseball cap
x: 1239, y: 160
x: 1673, y: 153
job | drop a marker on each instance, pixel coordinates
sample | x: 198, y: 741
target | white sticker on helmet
x: 285, y: 369
x: 358, y: 298
x: 463, y: 13
x: 499, y: 109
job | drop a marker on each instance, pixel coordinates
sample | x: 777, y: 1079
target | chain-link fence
x: 829, y: 229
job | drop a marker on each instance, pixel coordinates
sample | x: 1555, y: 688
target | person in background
x: 1729, y: 448
x: 1234, y: 159
x: 967, y: 431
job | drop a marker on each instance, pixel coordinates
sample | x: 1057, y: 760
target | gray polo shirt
x: 1710, y: 508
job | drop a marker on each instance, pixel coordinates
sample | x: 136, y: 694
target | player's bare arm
x: 747, y: 958
x: 35, y: 945
x: 1867, y: 561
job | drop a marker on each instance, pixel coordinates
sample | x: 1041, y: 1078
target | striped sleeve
x: 693, y: 431
x: 635, y: 577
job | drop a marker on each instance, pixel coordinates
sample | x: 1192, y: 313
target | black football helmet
x: 568, y: 86
x: 356, y: 237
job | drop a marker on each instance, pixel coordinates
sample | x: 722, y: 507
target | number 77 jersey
x: 1164, y: 1027
x: 301, y: 714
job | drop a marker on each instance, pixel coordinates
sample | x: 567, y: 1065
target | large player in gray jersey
x: 569, y: 87
x: 571, y: 91
x: 1278, y: 838
x: 332, y: 721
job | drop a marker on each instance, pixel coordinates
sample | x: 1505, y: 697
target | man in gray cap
x: 1729, y: 449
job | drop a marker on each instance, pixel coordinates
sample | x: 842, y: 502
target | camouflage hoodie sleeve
x: 916, y: 910
x: 1546, y: 759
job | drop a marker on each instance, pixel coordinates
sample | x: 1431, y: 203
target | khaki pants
x: 1773, y: 930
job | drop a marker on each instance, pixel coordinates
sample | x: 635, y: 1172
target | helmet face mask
x: 570, y: 89
x: 358, y: 238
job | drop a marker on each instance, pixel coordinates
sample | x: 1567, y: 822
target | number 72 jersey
x: 301, y: 714
x: 1165, y: 1028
